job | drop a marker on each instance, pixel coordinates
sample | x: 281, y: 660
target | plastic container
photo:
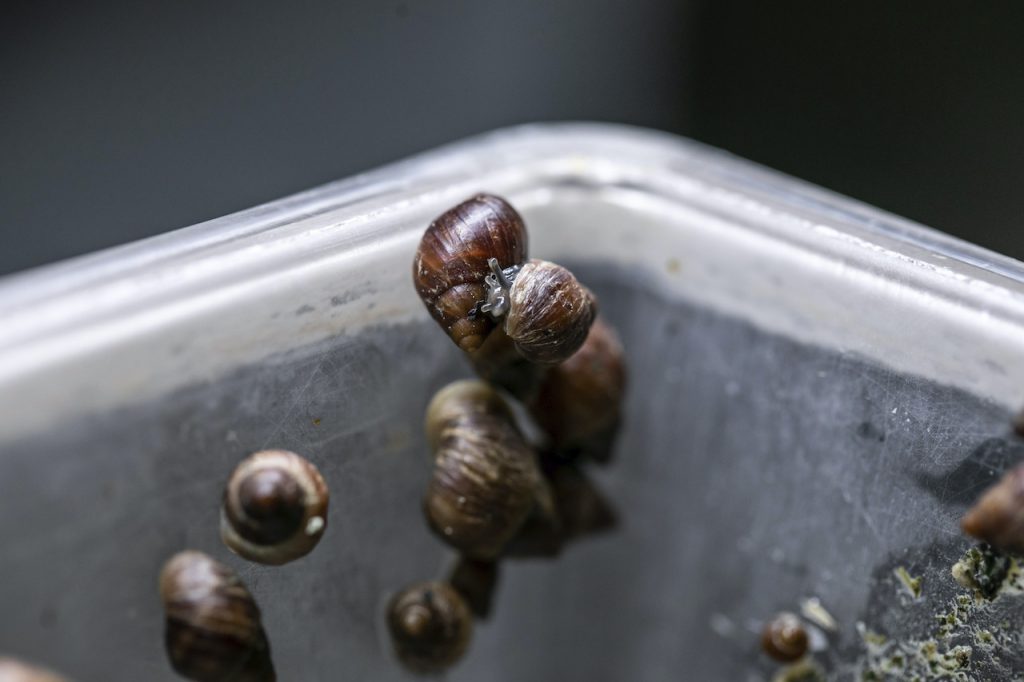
x: 818, y: 389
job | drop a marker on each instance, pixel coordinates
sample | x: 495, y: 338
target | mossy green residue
x: 912, y: 584
x: 984, y: 570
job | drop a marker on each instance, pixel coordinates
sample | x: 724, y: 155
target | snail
x: 998, y: 517
x: 475, y: 580
x: 430, y: 626
x: 580, y: 509
x: 784, y: 638
x: 486, y: 478
x: 16, y: 671
x: 579, y: 402
x: 213, y: 630
x: 275, y: 507
x: 471, y: 272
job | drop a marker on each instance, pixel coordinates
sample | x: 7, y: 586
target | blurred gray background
x: 124, y: 120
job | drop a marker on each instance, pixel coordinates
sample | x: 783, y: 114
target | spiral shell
x: 549, y: 312
x: 784, y: 638
x: 213, y: 629
x: 275, y: 507
x: 579, y: 402
x: 998, y: 517
x: 485, y: 479
x: 457, y: 401
x: 430, y: 627
x: 451, y: 264
x: 16, y: 671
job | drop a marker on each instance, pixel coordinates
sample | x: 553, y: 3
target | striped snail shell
x: 998, y: 516
x: 549, y: 312
x: 213, y: 629
x: 430, y: 627
x: 579, y: 402
x: 452, y: 264
x: 784, y: 638
x: 485, y: 479
x: 471, y: 272
x: 275, y: 507
x: 16, y: 671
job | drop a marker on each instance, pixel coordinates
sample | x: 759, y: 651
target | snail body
x: 485, y: 479
x: 998, y: 516
x: 16, y: 671
x: 275, y: 507
x: 430, y: 626
x: 784, y: 638
x: 578, y: 403
x: 476, y: 580
x: 472, y: 274
x: 213, y: 628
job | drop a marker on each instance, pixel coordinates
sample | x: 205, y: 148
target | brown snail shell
x: 485, y: 479
x: 456, y: 401
x: 784, y: 638
x: 579, y: 402
x: 430, y: 626
x: 275, y: 507
x: 213, y: 629
x: 998, y: 516
x: 471, y: 272
x: 451, y: 264
x: 476, y: 580
x: 16, y: 671
x: 549, y: 312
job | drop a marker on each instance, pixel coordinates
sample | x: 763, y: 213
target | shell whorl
x: 784, y: 638
x: 549, y: 314
x: 213, y: 629
x: 579, y: 402
x: 430, y: 626
x: 275, y: 507
x: 451, y: 264
x: 485, y: 479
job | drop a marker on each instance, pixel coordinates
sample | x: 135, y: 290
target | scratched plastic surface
x: 818, y: 390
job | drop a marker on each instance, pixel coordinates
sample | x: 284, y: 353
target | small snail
x: 275, y: 507
x: 998, y: 517
x: 213, y: 625
x: 430, y: 627
x: 784, y: 638
x: 579, y: 402
x: 485, y: 479
x: 16, y: 671
x: 471, y: 271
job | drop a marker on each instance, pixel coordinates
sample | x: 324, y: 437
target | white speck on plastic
x: 812, y: 610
